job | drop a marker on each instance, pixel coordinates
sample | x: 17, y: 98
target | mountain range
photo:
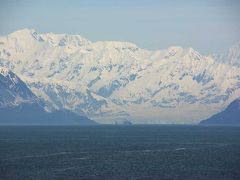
x: 110, y: 81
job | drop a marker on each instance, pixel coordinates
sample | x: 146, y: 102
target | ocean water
x: 119, y: 152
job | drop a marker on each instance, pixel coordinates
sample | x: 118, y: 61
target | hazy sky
x: 209, y: 26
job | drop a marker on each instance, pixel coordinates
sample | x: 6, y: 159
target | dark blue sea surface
x: 119, y: 152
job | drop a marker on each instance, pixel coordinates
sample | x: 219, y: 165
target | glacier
x: 112, y: 81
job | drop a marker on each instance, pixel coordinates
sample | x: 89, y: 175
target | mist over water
x: 119, y: 152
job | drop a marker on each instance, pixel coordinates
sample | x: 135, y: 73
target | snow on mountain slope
x: 118, y: 81
x: 18, y: 105
x: 13, y: 90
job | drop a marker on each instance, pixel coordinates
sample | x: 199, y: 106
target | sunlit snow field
x: 119, y: 152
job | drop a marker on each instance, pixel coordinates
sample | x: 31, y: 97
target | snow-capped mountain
x: 13, y: 91
x: 18, y: 105
x: 118, y: 81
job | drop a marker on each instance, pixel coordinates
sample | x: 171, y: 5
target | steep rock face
x: 118, y: 81
x: 230, y: 116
